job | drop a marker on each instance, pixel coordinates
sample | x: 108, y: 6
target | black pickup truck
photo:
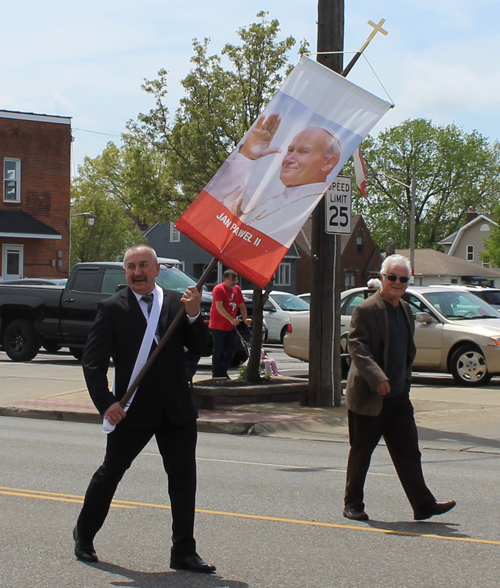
x: 55, y: 316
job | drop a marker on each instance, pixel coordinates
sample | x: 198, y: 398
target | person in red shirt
x: 227, y: 302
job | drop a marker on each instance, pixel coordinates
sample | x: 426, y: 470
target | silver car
x: 277, y: 311
x: 455, y: 332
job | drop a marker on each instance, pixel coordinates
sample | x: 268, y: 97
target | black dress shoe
x: 431, y: 510
x: 191, y: 563
x: 84, y: 551
x: 355, y: 514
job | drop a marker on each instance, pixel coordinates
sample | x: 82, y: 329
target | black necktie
x: 148, y: 298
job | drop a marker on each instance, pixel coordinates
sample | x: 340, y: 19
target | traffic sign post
x: 338, y: 202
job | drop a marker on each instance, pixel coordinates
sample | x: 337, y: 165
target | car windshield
x: 460, y: 305
x: 290, y: 302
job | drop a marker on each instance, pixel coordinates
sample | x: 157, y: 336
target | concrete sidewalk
x: 449, y: 417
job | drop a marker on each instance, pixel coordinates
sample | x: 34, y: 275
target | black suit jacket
x: 368, y: 347
x: 117, y: 333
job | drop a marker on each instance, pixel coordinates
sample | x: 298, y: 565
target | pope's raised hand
x: 258, y: 142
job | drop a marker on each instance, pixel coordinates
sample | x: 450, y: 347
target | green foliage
x: 219, y: 106
x: 454, y: 172
x: 112, y: 232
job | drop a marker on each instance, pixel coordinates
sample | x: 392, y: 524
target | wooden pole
x: 324, y: 370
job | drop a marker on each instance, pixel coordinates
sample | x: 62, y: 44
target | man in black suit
x: 377, y: 395
x: 163, y: 405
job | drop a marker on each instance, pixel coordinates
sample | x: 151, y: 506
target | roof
x: 429, y: 262
x: 20, y: 224
x: 454, y: 238
x: 62, y: 120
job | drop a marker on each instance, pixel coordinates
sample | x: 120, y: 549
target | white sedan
x: 277, y: 311
x: 455, y: 332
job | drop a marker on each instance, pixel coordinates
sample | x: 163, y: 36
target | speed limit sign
x: 338, y: 204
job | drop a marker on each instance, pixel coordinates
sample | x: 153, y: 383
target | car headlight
x: 495, y: 341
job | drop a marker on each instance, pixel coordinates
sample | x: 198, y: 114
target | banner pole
x: 163, y: 341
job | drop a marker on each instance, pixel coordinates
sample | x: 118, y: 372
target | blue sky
x: 87, y: 59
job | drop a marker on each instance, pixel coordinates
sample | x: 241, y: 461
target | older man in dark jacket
x: 377, y: 395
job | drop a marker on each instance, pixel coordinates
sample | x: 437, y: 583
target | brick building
x: 35, y: 152
x: 360, y: 257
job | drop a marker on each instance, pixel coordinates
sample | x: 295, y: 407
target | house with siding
x: 468, y: 242
x: 167, y: 241
x: 35, y: 152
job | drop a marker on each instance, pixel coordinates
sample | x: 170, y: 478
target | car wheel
x: 468, y: 367
x: 20, y: 341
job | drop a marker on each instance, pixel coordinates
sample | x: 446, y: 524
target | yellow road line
x: 131, y: 504
x: 54, y: 496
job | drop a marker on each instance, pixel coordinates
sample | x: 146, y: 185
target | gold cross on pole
x: 377, y: 28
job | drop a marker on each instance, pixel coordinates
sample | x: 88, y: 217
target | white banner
x: 251, y: 211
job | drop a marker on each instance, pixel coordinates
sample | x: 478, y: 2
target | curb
x: 51, y: 415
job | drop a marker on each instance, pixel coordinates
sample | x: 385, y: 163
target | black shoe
x: 84, y: 551
x: 431, y: 510
x: 355, y: 514
x: 191, y: 563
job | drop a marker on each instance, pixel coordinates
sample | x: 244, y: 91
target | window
x: 470, y: 252
x: 113, y: 278
x: 175, y: 236
x: 352, y: 301
x: 350, y: 279
x: 282, y: 277
x: 360, y: 242
x: 87, y: 281
x: 12, y: 180
x: 12, y: 262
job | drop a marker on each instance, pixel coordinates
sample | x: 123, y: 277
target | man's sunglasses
x: 394, y: 278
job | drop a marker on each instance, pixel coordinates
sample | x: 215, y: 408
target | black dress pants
x: 396, y: 424
x: 177, y: 446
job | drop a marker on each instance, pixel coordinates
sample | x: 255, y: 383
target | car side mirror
x: 425, y: 317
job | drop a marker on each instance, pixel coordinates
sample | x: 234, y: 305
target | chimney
x: 471, y: 214
x: 390, y: 247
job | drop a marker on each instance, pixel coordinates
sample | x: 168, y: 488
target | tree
x: 112, y: 232
x: 219, y: 106
x: 454, y: 171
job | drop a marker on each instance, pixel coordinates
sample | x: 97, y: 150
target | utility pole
x: 325, y: 249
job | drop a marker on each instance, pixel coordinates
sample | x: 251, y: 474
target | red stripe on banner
x: 250, y: 253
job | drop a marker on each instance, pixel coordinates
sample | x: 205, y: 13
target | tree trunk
x: 252, y: 373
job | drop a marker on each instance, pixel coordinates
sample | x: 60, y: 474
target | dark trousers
x: 224, y: 348
x: 396, y: 424
x: 177, y: 446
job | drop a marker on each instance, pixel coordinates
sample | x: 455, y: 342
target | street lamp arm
x: 375, y: 174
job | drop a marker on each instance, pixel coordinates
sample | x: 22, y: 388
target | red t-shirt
x: 231, y: 299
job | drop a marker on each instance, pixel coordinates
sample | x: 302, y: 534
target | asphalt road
x: 269, y: 516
